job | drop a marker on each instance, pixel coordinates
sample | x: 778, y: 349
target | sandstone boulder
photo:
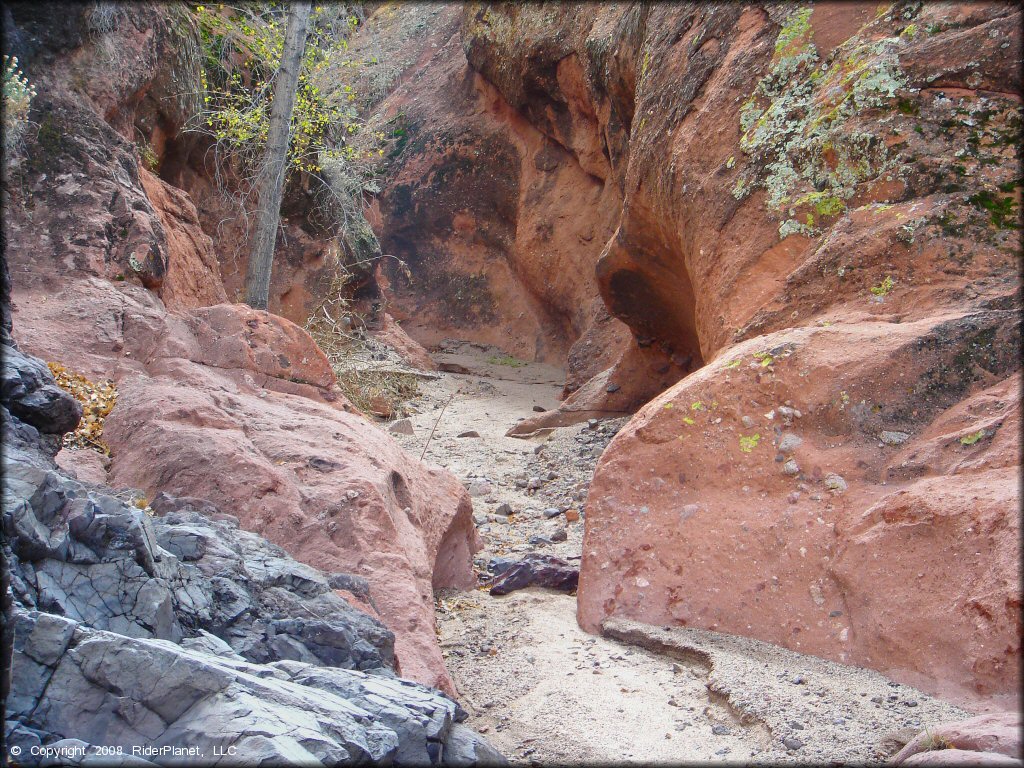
x: 992, y: 734
x: 913, y: 569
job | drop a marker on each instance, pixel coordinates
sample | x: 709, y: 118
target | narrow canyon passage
x: 545, y: 692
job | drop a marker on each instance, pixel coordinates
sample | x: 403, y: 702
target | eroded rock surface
x: 182, y: 631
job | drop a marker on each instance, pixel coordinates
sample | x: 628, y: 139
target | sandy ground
x: 544, y: 691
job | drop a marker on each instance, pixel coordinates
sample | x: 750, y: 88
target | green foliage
x: 1000, y: 209
x: 242, y: 46
x: 884, y: 287
x: 149, y: 157
x: 18, y: 95
x: 749, y: 443
x: 796, y: 123
x: 972, y: 438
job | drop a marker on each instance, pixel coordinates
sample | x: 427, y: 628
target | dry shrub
x: 97, y: 399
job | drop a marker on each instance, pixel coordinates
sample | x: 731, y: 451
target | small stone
x: 479, y: 519
x: 470, y: 433
x: 479, y: 488
x: 835, y: 483
x: 571, y: 515
x: 612, y: 388
x: 790, y: 442
x: 551, y: 512
x: 552, y: 476
x: 537, y: 450
x: 748, y: 423
x: 592, y: 423
x: 790, y: 742
x: 539, y: 409
x: 910, y: 703
x: 503, y: 509
x: 539, y: 541
x: 534, y: 483
x: 521, y: 482
x: 401, y: 427
x: 499, y: 519
x: 894, y: 438
x: 795, y: 725
x: 876, y: 699
x: 561, y: 535
x: 720, y: 730
x: 799, y: 680
x: 791, y: 468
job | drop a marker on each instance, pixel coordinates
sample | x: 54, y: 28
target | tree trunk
x: 270, y: 182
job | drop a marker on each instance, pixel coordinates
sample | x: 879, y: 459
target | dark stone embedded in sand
x: 537, y: 571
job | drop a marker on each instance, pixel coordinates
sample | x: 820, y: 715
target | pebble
x: 795, y: 725
x: 611, y: 388
x: 479, y: 488
x: 561, y: 535
x: 534, y: 483
x: 790, y: 442
x: 539, y: 541
x: 792, y: 743
x: 503, y: 509
x: 721, y: 730
x: 470, y: 433
x: 592, y: 423
x: 539, y: 409
x: 791, y: 468
x: 894, y: 438
x: 835, y: 483
x: 748, y: 423
x: 552, y: 512
x: 401, y: 427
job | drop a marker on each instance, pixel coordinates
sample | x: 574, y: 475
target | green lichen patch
x: 1002, y: 210
x: 798, y: 124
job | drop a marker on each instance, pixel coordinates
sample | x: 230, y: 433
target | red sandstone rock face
x: 499, y: 226
x: 193, y: 274
x: 717, y: 507
x: 392, y: 334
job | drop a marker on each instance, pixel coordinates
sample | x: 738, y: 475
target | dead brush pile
x: 373, y: 386
x: 97, y: 399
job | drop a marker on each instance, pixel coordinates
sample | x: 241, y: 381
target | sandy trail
x: 546, y: 692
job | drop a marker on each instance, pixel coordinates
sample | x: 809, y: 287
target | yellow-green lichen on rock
x: 798, y: 128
